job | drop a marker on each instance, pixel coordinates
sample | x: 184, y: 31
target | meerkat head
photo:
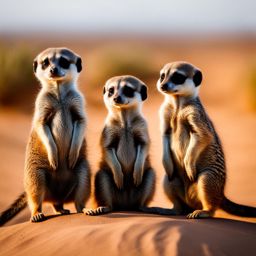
x: 57, y: 65
x: 124, y: 92
x: 179, y: 78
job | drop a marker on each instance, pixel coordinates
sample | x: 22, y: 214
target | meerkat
x: 56, y: 166
x: 193, y: 157
x: 126, y: 180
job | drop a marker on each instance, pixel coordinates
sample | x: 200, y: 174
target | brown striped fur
x: 193, y: 157
x: 56, y: 166
x: 126, y: 180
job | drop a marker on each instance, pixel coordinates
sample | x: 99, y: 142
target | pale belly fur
x: 126, y: 153
x: 62, y: 128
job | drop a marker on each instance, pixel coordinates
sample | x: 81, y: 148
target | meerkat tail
x: 238, y: 209
x: 19, y: 204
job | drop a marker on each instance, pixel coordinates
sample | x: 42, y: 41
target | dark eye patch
x: 45, y: 63
x: 64, y: 63
x: 198, y: 78
x: 177, y: 78
x: 162, y: 77
x: 128, y: 91
x: 111, y: 91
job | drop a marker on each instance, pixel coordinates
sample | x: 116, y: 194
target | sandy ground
x: 133, y: 233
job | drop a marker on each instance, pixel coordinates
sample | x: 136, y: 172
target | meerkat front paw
x: 72, y: 159
x: 53, y: 160
x: 191, y: 170
x: 190, y: 174
x: 119, y: 180
x: 137, y: 177
x: 97, y: 211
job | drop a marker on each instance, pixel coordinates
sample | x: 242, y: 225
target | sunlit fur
x: 193, y: 157
x: 126, y: 180
x: 56, y: 167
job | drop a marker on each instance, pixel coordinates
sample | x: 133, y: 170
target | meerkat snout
x: 118, y: 100
x: 54, y: 72
x: 179, y: 78
x: 57, y: 64
x: 125, y: 92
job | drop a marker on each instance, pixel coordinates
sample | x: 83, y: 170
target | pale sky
x: 99, y: 16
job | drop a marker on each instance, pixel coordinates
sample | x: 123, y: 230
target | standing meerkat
x: 126, y: 180
x: 193, y: 157
x: 56, y: 167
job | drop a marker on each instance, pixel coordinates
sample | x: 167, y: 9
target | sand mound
x: 134, y: 233
x: 128, y: 234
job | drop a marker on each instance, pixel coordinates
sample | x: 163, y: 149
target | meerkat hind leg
x: 83, y: 187
x: 37, y: 215
x: 58, y: 208
x: 103, y: 193
x: 208, y: 195
x: 175, y: 192
x: 147, y: 191
x: 148, y: 187
x: 35, y: 196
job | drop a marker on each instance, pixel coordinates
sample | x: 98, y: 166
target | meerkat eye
x: 45, y: 63
x: 178, y: 78
x: 128, y: 91
x: 162, y: 77
x: 110, y: 91
x: 197, y: 78
x: 64, y: 63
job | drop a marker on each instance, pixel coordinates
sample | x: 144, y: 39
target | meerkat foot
x: 58, y: 208
x: 199, y: 214
x: 39, y: 217
x: 97, y: 211
x: 158, y: 210
x: 64, y: 211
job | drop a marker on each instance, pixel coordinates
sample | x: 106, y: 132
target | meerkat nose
x: 118, y: 99
x: 164, y: 87
x: 54, y: 70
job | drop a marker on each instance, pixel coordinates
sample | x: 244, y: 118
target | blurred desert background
x: 224, y: 48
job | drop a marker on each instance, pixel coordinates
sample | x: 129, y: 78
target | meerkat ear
x: 143, y: 92
x: 104, y: 90
x: 35, y: 66
x: 198, y: 77
x: 79, y: 64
